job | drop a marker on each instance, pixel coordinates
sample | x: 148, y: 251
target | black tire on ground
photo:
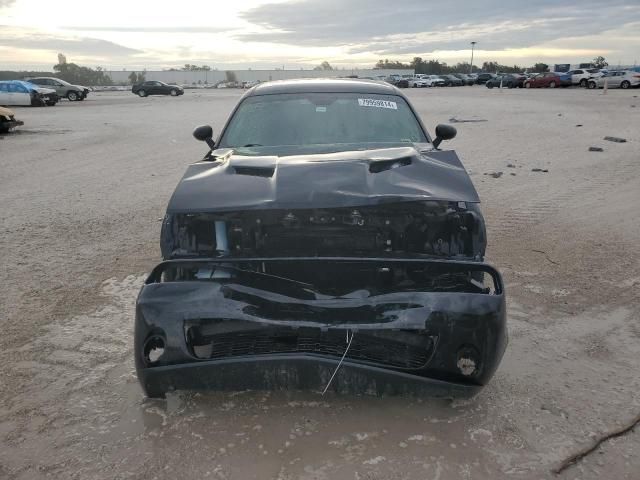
x: 72, y: 96
x: 174, y: 93
x: 51, y: 104
x: 527, y: 85
x: 142, y: 93
x: 625, y: 84
x: 552, y: 84
x: 591, y: 85
x: 583, y: 83
x: 489, y: 85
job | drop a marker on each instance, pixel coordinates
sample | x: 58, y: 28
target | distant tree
x: 599, y: 62
x: 324, y: 66
x: 76, y: 74
x: 195, y: 68
x: 386, y: 64
x: 231, y: 76
x: 133, y: 78
x: 540, y: 68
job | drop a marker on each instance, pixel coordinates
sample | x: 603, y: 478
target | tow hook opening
x: 468, y: 360
x: 153, y: 350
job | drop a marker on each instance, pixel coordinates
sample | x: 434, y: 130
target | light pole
x: 473, y: 44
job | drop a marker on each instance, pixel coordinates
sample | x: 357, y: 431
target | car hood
x: 329, y: 180
x: 44, y: 90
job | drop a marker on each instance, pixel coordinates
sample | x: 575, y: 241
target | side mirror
x: 204, y: 133
x: 444, y: 132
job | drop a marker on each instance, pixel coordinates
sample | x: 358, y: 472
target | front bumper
x: 241, y: 330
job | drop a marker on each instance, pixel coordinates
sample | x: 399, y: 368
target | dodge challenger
x: 324, y: 242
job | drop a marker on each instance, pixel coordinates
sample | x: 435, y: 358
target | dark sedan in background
x: 153, y: 87
x: 509, y: 80
x: 451, y: 81
x: 484, y: 78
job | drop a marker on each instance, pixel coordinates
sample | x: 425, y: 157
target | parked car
x: 294, y: 248
x: 154, y: 87
x: 616, y: 79
x: 8, y: 120
x: 548, y: 79
x: 466, y: 79
x: 19, y: 92
x: 397, y: 81
x: 415, y: 82
x: 63, y: 89
x: 581, y: 76
x: 436, y: 80
x: 483, y: 78
x: 451, y: 81
x: 507, y: 80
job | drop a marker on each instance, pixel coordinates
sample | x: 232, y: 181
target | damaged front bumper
x: 224, y: 324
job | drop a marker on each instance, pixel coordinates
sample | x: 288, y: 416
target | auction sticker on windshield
x: 372, y: 102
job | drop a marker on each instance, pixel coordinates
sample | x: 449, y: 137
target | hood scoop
x: 266, y: 172
x: 378, y: 166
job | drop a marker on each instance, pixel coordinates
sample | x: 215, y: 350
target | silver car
x: 616, y: 79
x: 63, y: 88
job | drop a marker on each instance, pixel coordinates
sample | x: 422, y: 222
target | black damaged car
x: 325, y: 242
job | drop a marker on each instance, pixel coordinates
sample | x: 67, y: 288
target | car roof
x: 325, y: 85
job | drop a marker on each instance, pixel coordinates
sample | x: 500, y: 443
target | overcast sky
x: 302, y: 33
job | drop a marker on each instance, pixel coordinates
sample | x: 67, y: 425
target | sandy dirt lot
x: 83, y: 187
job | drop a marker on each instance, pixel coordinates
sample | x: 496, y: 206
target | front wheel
x: 592, y: 85
x: 527, y: 85
x: 142, y: 93
x: 552, y: 84
x: 72, y: 96
x: 174, y: 93
x: 583, y: 83
x: 489, y: 85
x: 626, y: 84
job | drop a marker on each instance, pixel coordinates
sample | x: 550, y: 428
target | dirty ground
x: 83, y: 188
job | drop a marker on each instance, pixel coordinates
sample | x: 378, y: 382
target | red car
x: 549, y: 79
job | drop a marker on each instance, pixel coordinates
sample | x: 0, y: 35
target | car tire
x: 625, y: 84
x: 527, y: 85
x: 51, y: 104
x: 591, y: 85
x: 552, y: 84
x: 173, y: 93
x: 142, y: 93
x: 489, y: 85
x: 72, y: 96
x: 583, y: 83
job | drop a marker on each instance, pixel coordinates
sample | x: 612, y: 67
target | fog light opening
x: 468, y: 361
x: 153, y: 349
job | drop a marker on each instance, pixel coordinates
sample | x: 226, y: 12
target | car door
x: 4, y: 94
x: 616, y: 79
x: 19, y: 95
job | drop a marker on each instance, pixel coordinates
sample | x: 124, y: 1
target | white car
x: 18, y: 92
x: 580, y: 76
x: 616, y: 79
x: 417, y: 82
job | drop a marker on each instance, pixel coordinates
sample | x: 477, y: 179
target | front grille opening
x: 397, y: 349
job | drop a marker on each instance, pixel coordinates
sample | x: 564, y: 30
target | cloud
x: 420, y: 26
x: 85, y: 46
x: 145, y: 29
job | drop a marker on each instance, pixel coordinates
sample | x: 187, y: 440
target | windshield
x: 302, y: 119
